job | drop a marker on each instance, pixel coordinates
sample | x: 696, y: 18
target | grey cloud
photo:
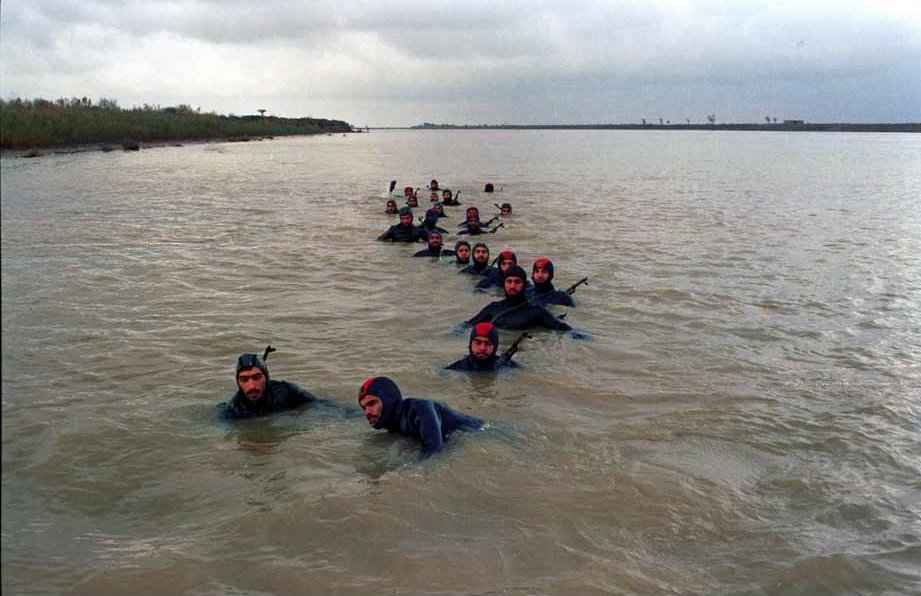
x: 577, y: 58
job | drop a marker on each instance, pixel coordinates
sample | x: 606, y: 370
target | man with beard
x: 430, y: 421
x: 434, y: 249
x: 544, y: 292
x: 404, y: 231
x: 258, y: 395
x: 496, y: 277
x: 483, y: 351
x: 472, y: 225
x: 514, y: 311
x: 480, y: 265
x: 448, y: 198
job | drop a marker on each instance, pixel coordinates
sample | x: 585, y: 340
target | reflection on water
x: 742, y: 419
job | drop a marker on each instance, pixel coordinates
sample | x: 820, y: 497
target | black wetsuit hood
x: 430, y: 223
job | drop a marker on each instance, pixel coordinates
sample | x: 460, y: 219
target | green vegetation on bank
x: 39, y: 123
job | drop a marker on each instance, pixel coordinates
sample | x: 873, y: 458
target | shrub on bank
x: 30, y: 124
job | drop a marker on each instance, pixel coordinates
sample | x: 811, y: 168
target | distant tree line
x: 40, y: 123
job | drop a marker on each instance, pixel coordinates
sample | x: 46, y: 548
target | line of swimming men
x: 429, y: 421
x: 524, y: 305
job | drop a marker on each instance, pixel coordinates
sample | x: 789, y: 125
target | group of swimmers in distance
x: 524, y: 307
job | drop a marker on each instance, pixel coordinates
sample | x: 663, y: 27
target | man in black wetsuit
x: 448, y: 198
x: 258, y: 395
x: 471, y: 219
x: 544, y: 292
x: 427, y: 420
x: 496, y: 277
x: 514, y: 311
x: 462, y: 252
x: 430, y: 224
x: 438, y: 209
x: 473, y: 226
x: 480, y: 265
x: 434, y: 249
x: 483, y: 351
x: 404, y: 231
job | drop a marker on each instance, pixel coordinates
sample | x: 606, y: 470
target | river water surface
x: 742, y: 417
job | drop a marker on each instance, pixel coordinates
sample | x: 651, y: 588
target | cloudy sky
x: 404, y: 62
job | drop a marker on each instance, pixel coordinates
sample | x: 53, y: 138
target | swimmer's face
x: 251, y: 382
x: 506, y: 211
x: 473, y: 218
x: 412, y: 201
x: 480, y: 254
x: 373, y: 406
x: 482, y: 348
x: 406, y: 220
x: 463, y: 252
x: 540, y: 275
x: 433, y: 196
x: 504, y: 264
x: 513, y: 286
x: 435, y: 240
x: 391, y: 207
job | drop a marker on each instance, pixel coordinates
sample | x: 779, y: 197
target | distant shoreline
x: 779, y: 127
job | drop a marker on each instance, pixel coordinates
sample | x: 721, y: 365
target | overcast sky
x: 404, y: 62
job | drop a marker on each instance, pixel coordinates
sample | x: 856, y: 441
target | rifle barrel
x: 573, y: 287
x: 512, y: 349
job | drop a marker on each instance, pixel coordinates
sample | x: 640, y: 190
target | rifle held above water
x: 573, y: 287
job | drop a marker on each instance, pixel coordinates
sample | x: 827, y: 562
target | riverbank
x: 795, y: 126
x: 39, y: 126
